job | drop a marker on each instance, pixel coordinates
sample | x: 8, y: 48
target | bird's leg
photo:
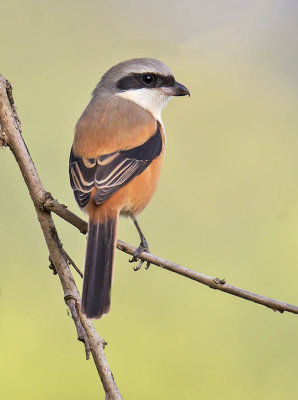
x: 142, y: 247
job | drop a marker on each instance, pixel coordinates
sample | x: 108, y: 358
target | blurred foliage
x: 227, y: 203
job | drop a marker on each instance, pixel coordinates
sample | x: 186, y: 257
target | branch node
x: 69, y: 296
x: 277, y: 309
x: 218, y: 281
x: 3, y: 138
x: 47, y: 198
x: 52, y: 266
x: 9, y: 92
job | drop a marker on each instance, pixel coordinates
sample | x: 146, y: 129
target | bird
x: 115, y: 163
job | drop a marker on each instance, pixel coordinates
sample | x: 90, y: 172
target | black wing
x: 110, y: 172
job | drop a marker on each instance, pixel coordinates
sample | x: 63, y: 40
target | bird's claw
x: 136, y: 257
x: 139, y: 266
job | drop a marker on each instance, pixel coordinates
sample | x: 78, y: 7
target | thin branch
x: 213, y: 283
x: 71, y: 262
x: 10, y: 135
x: 51, y: 204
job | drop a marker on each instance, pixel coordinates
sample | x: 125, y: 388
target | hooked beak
x: 177, y: 90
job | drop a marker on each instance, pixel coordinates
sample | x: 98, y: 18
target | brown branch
x: 61, y: 209
x: 10, y: 135
x: 213, y: 283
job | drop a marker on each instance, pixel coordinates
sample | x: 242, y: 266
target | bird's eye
x: 148, y: 79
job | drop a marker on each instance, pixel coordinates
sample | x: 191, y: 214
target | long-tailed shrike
x: 115, y: 163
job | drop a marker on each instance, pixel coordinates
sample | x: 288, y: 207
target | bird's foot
x: 136, y: 257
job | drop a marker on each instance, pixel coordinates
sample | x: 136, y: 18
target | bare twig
x: 71, y: 262
x: 11, y: 136
x: 213, y: 283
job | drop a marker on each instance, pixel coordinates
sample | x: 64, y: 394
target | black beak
x: 177, y: 90
x: 180, y: 90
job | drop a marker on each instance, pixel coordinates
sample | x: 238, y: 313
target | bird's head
x: 145, y: 81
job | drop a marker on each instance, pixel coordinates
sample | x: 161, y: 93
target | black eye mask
x: 145, y: 80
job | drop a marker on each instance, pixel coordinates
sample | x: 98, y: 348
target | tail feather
x: 99, y: 267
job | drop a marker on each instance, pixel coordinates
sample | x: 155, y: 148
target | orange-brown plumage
x: 111, y: 135
x: 112, y: 124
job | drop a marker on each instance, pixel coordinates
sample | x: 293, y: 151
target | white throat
x: 152, y: 100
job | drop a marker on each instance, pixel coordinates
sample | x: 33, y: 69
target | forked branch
x: 10, y: 135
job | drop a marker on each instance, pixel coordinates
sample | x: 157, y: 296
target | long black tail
x: 99, y: 267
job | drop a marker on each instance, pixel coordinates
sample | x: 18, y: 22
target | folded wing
x: 110, y: 172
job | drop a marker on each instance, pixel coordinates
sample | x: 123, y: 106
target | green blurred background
x: 226, y: 205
